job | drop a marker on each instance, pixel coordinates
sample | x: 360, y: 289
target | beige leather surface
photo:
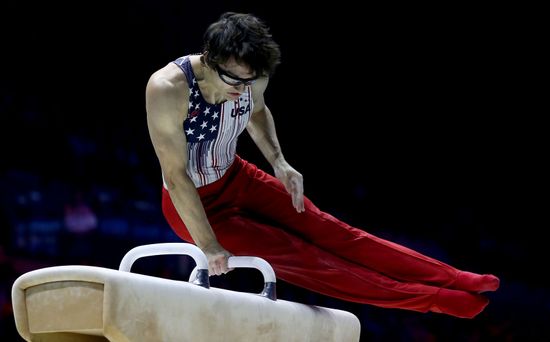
x: 99, y: 304
x: 49, y: 305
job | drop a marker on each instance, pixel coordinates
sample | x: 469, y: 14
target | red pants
x: 251, y: 213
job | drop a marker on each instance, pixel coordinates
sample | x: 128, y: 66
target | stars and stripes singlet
x: 212, y: 130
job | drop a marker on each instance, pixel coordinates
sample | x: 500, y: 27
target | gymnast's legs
x: 252, y: 214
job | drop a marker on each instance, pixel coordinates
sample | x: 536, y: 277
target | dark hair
x: 245, y: 38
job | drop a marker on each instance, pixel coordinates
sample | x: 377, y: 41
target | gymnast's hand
x: 217, y: 258
x: 293, y: 182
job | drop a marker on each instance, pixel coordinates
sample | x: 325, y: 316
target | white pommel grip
x: 260, y: 264
x: 169, y: 249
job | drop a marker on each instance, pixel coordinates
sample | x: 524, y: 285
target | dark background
x: 411, y: 123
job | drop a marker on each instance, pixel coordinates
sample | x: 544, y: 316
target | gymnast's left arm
x: 261, y: 128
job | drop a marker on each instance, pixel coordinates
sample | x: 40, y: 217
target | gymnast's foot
x: 458, y: 303
x: 478, y: 283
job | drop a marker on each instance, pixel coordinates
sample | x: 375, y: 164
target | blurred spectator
x: 80, y: 235
x: 79, y: 216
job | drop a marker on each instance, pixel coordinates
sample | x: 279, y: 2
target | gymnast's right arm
x: 166, y: 95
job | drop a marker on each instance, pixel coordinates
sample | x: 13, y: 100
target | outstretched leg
x: 306, y: 265
x: 262, y: 194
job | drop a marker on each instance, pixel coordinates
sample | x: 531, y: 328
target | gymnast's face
x: 234, y: 77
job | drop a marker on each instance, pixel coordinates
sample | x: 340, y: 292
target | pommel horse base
x: 93, y: 304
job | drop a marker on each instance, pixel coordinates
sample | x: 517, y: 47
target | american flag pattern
x: 212, y: 130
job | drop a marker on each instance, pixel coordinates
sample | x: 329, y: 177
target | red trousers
x: 251, y: 213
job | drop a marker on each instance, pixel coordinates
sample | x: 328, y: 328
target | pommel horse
x: 94, y: 304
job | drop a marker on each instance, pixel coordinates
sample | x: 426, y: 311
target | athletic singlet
x: 212, y: 130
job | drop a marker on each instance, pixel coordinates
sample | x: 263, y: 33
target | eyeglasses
x: 233, y: 80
